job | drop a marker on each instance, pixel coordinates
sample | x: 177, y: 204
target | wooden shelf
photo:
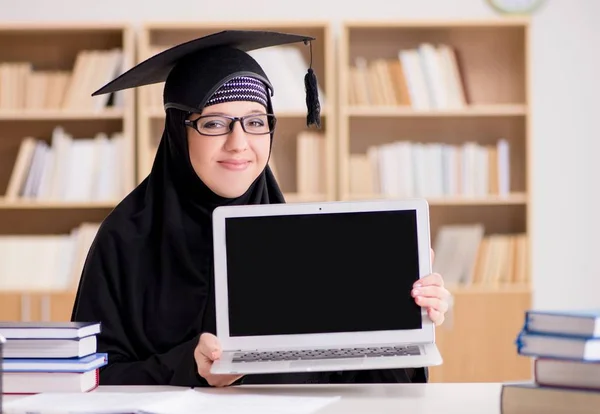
x: 60, y: 115
x: 49, y: 218
x: 483, y: 289
x: 55, y: 205
x: 435, y: 24
x: 515, y: 198
x: 419, y: 135
x: 470, y: 111
x: 75, y: 28
x: 156, y: 36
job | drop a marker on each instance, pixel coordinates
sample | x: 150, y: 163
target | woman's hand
x: 207, y: 351
x: 429, y: 292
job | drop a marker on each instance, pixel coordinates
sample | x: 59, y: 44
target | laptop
x: 322, y: 286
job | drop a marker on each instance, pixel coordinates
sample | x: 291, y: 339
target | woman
x: 148, y: 274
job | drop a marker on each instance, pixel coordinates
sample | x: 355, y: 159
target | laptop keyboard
x: 326, y: 354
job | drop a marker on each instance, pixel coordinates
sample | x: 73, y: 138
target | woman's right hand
x: 207, y: 351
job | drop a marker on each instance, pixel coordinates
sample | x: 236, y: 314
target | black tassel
x: 313, y: 117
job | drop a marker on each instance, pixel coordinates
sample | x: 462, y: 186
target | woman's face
x: 229, y: 163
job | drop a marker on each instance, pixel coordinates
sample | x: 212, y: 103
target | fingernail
x: 417, y: 285
x: 415, y: 292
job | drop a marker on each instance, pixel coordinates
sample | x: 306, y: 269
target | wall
x: 566, y: 86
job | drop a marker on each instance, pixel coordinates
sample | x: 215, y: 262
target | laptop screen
x: 322, y: 273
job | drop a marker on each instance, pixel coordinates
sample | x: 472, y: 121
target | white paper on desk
x: 91, y: 402
x: 165, y: 402
x: 84, y: 403
x: 198, y: 402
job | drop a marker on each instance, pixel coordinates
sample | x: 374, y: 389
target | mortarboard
x: 194, y: 70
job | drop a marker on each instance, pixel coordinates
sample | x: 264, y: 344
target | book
x: 84, y: 364
x: 529, y: 398
x: 565, y: 373
x: 43, y: 382
x: 50, y: 348
x: 1, y: 370
x: 556, y: 346
x: 583, y: 323
x: 48, y: 330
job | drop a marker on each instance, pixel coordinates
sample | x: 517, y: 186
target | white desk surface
x: 433, y: 398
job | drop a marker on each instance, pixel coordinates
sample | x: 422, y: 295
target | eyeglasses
x: 215, y: 125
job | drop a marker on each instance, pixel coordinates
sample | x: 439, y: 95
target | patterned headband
x: 242, y: 88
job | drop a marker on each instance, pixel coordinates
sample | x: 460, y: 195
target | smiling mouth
x: 235, y: 165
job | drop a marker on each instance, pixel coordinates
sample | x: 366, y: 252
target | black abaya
x: 148, y: 277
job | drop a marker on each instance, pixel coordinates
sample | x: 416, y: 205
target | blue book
x: 1, y: 379
x: 543, y: 345
x: 580, y: 323
x: 48, y: 330
x: 84, y: 364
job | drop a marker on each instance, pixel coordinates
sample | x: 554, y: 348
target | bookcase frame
x: 487, y: 355
x: 55, y: 46
x: 477, y: 342
x: 151, y: 119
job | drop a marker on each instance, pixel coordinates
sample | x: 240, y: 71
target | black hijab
x: 149, y: 273
x: 148, y: 277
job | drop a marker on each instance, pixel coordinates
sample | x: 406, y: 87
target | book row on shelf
x: 45, y: 263
x: 81, y: 170
x: 426, y: 77
x: 96, y: 169
x: 432, y: 74
x: 464, y: 255
x: 467, y: 256
x: 311, y: 163
x: 22, y: 86
x: 415, y: 169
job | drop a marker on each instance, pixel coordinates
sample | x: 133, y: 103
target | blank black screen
x: 320, y: 273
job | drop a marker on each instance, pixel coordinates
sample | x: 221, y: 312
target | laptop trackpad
x: 326, y: 362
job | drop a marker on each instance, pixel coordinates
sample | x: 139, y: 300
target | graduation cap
x: 194, y: 70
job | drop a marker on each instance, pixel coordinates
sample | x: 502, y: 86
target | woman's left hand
x: 429, y: 292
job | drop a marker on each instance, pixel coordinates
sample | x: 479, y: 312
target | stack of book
x: 1, y: 347
x: 565, y: 347
x: 50, y: 357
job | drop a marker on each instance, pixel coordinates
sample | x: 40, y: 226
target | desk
x: 433, y: 398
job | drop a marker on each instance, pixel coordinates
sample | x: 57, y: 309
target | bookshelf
x: 476, y: 121
x: 51, y: 127
x: 441, y: 109
x: 295, y: 147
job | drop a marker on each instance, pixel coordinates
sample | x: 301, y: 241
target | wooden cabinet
x: 477, y: 341
x: 14, y: 306
x: 22, y: 306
